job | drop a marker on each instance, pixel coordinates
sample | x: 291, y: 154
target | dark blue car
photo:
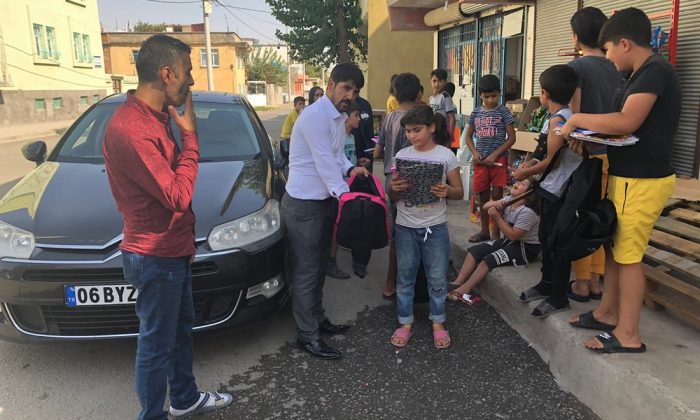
x: 60, y: 263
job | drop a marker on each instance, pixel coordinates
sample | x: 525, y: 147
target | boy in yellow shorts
x: 641, y: 176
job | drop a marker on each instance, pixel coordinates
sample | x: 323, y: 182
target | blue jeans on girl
x: 432, y: 244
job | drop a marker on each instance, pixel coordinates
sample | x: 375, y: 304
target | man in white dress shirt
x: 317, y: 165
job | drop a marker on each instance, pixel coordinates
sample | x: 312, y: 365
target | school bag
x: 362, y: 223
x: 585, y: 221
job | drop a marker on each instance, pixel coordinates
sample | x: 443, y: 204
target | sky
x: 246, y: 23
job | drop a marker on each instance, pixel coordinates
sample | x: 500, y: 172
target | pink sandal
x: 403, y: 334
x: 440, y: 335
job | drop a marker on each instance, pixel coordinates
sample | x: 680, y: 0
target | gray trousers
x: 309, y: 226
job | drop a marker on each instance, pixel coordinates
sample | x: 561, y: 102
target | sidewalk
x: 663, y: 383
x: 34, y: 131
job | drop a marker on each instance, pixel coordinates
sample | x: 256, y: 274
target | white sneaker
x: 208, y: 401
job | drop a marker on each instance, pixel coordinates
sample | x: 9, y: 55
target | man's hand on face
x: 186, y: 121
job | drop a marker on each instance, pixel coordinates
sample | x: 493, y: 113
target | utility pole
x: 206, y: 6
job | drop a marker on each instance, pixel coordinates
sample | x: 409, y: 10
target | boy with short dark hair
x: 392, y: 138
x: 641, y: 177
x: 558, y: 84
x: 493, y: 126
x: 299, y: 103
x: 441, y: 101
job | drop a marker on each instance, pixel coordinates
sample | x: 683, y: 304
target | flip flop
x: 612, y: 345
x: 478, y: 237
x: 403, y: 334
x: 531, y: 294
x: 439, y: 335
x: 575, y: 296
x: 587, y: 321
x: 545, y: 309
x: 465, y: 298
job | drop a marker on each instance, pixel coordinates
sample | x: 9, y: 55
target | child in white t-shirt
x: 421, y: 223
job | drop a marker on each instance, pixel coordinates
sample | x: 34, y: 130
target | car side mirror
x: 35, y: 152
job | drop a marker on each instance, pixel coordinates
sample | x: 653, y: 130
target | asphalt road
x: 489, y: 372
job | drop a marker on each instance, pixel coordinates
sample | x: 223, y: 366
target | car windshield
x: 225, y: 132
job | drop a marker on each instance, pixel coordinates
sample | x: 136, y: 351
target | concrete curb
x: 660, y: 384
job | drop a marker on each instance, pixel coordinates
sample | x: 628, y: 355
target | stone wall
x: 19, y: 106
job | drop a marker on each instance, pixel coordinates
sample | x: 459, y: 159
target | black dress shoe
x: 319, y: 349
x: 326, y: 327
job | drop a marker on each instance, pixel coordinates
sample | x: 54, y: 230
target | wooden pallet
x: 672, y: 262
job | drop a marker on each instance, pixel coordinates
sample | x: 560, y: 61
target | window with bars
x: 457, y: 53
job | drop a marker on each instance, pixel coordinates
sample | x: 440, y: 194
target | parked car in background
x: 60, y: 264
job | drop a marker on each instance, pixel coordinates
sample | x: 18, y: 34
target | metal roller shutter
x: 687, y: 65
x: 552, y: 33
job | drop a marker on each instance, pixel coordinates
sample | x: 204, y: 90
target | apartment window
x: 83, y: 100
x: 57, y: 103
x: 86, y: 48
x: 81, y: 48
x: 51, y: 46
x: 40, y: 41
x: 134, y: 56
x: 214, y: 57
x: 95, y: 98
x: 39, y: 104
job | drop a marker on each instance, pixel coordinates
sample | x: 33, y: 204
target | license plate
x: 112, y: 294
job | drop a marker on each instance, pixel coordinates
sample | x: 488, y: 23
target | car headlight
x: 249, y: 233
x: 15, y: 242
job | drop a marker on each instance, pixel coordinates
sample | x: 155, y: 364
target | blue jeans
x: 166, y: 317
x: 433, y: 246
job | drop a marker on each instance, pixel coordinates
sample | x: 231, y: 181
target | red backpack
x: 363, y: 215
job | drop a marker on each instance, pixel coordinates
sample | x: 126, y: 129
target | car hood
x: 71, y: 203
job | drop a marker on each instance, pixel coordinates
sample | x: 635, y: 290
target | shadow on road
x: 4, y: 188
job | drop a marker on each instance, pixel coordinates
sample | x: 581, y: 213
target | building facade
x: 51, y: 64
x: 229, y: 58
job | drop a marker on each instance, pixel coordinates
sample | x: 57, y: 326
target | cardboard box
x: 525, y: 141
x: 532, y: 105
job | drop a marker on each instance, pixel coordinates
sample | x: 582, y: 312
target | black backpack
x: 585, y: 221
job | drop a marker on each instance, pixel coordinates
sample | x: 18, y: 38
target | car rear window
x: 225, y: 132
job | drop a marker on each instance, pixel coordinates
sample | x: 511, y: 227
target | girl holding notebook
x: 421, y: 222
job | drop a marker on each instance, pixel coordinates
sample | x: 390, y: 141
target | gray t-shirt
x: 598, y: 79
x: 523, y: 217
x: 442, y: 103
x: 427, y: 214
x: 392, y: 137
x: 566, y: 164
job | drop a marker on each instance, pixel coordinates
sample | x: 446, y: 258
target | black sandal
x: 612, y: 345
x: 545, y: 309
x: 587, y: 321
x: 575, y: 296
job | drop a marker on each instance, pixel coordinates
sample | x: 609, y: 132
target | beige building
x: 393, y: 46
x: 229, y: 58
x: 51, y: 64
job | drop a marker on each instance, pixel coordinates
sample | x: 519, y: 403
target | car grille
x: 102, y: 275
x: 58, y: 320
